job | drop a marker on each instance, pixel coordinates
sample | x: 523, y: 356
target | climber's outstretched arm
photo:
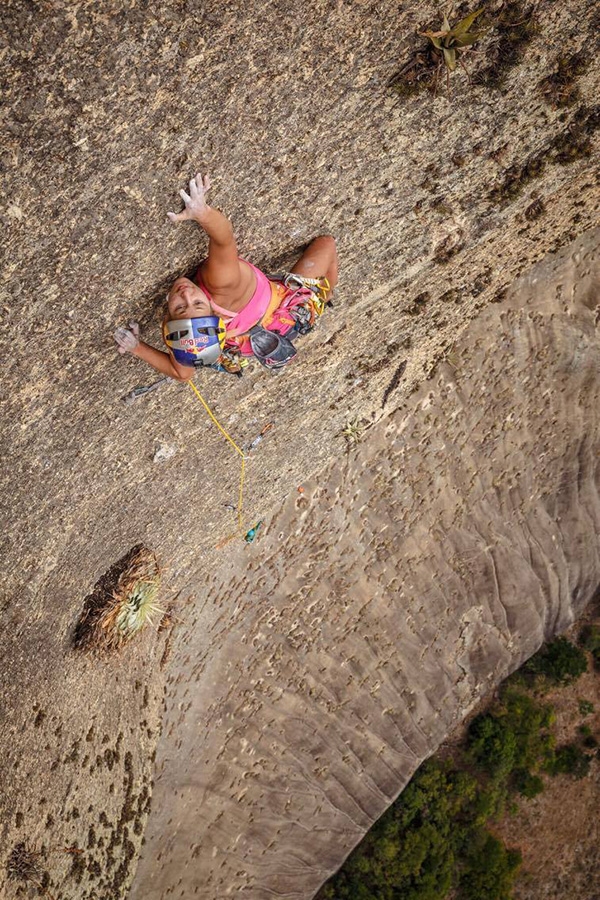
x: 221, y: 270
x: 163, y: 362
x: 129, y: 342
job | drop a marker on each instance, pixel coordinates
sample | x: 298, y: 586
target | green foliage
x: 412, y: 851
x: 513, y: 735
x: 586, y: 707
x: 123, y: 601
x: 590, y: 640
x: 561, y: 662
x: 489, y: 802
x: 570, y: 760
x: 490, y: 870
x: 452, y: 41
x: 588, y: 739
x: 354, y: 430
x: 431, y: 840
x: 526, y: 784
x: 435, y: 838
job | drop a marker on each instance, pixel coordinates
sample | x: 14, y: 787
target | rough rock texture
x: 438, y: 202
x: 406, y: 581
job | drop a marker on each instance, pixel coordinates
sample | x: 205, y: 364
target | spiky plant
x: 453, y: 40
x: 354, y: 430
x: 133, y: 602
x: 123, y: 600
x: 23, y: 863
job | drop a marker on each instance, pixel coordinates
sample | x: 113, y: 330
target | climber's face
x: 186, y: 300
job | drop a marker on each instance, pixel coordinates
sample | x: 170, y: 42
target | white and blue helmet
x: 195, y: 342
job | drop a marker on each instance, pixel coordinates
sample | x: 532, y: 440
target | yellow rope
x: 233, y: 444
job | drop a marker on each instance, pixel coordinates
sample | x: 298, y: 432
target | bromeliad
x: 455, y: 40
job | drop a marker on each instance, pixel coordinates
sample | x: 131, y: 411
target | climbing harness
x: 294, y: 307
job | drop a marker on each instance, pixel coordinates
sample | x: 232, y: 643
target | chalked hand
x: 127, y: 339
x: 196, y: 206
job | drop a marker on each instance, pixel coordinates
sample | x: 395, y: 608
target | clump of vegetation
x: 526, y: 784
x: 569, y: 760
x: 560, y: 88
x: 560, y: 662
x: 589, y: 740
x: 354, y: 430
x: 122, y: 603
x: 517, y: 177
x: 514, y: 736
x: 586, y: 707
x: 514, y: 27
x: 23, y: 864
x: 445, y: 50
x: 454, y: 40
x: 429, y: 842
x: 435, y: 838
x: 590, y: 640
x: 490, y: 869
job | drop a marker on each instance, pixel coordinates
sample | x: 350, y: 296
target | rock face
x: 404, y: 583
x: 438, y: 202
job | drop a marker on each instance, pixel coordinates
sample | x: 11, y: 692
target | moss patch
x: 514, y: 27
x: 420, y: 73
x: 560, y: 88
x: 574, y: 143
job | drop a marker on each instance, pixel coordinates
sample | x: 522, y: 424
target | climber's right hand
x: 196, y: 207
x: 128, y: 339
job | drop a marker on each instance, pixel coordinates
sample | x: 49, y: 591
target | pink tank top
x: 241, y: 322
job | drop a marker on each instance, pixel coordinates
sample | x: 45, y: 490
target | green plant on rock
x: 452, y: 41
x: 134, y: 602
x: 122, y: 603
x: 561, y: 662
x: 354, y: 430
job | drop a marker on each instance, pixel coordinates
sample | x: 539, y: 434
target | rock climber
x: 231, y: 310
